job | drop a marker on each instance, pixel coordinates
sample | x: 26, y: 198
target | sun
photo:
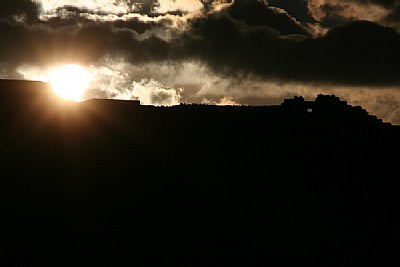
x: 70, y: 81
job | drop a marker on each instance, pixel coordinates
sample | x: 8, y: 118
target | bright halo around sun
x: 70, y: 81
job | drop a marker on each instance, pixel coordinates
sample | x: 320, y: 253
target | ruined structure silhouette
x: 114, y: 183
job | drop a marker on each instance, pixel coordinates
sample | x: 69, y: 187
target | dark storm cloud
x: 234, y: 47
x: 249, y: 37
x: 39, y: 44
x: 296, y: 8
x: 359, y: 53
x: 255, y: 13
x: 142, y: 6
x: 259, y: 13
x: 11, y: 8
x: 108, y: 40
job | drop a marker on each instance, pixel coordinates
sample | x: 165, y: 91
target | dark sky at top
x: 352, y: 43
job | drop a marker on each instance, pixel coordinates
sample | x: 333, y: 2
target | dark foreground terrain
x: 113, y: 183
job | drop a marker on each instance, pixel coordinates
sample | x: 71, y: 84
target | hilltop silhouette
x: 114, y: 183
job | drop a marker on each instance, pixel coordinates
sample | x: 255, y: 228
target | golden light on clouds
x: 96, y: 5
x: 70, y: 81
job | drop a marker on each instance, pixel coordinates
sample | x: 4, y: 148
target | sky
x: 247, y: 52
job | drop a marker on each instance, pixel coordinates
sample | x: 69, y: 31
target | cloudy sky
x: 219, y: 52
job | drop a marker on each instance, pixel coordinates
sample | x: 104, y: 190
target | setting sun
x: 70, y: 81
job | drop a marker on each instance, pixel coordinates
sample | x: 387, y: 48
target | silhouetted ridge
x: 19, y: 93
x: 23, y: 89
x: 115, y: 183
x: 331, y: 108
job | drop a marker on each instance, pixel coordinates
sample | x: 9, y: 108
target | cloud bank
x: 244, y: 47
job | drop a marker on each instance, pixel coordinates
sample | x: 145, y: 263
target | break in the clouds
x: 243, y: 51
x: 331, y: 11
x: 327, y: 14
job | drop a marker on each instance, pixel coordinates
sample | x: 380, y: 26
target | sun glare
x: 70, y: 81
